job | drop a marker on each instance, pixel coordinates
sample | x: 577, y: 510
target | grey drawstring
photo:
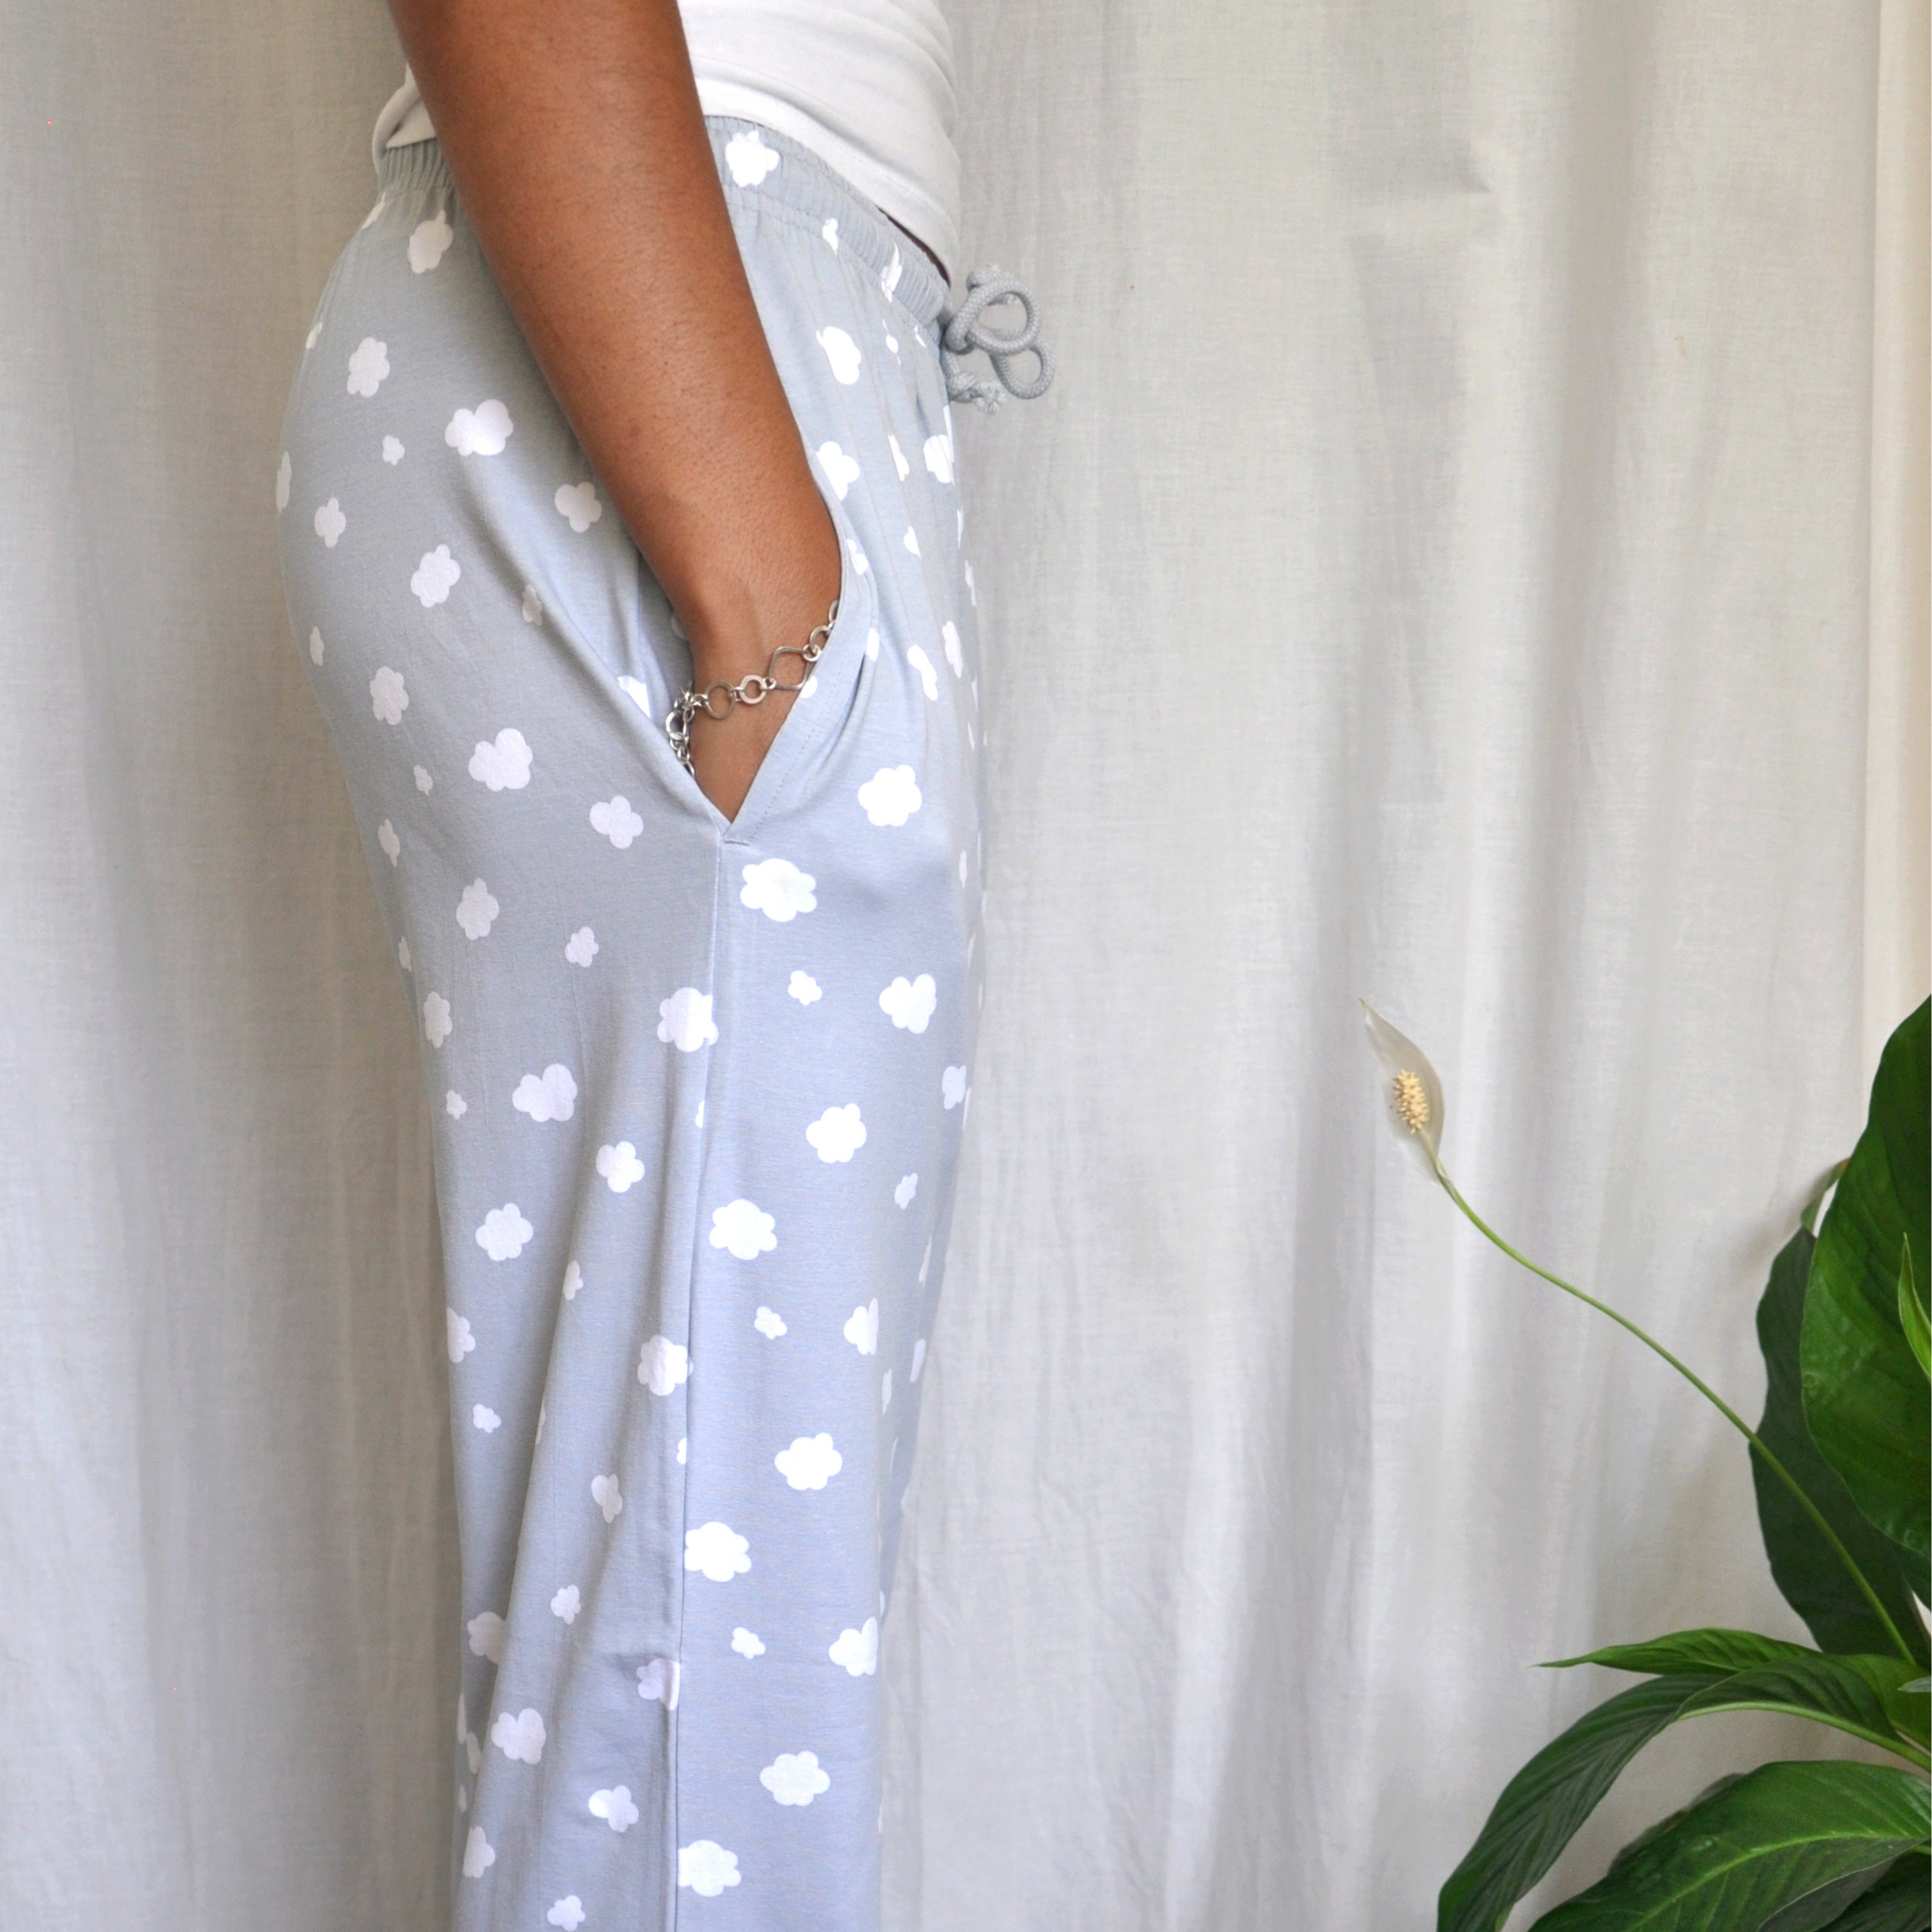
x: 961, y: 331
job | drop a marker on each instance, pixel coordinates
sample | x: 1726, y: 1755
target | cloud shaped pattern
x: 918, y: 1359
x: 841, y: 471
x: 615, y: 1807
x: 795, y: 1779
x: 778, y: 889
x: 392, y: 451
x: 608, y: 1497
x: 684, y: 1020
x: 707, y: 1867
x: 436, y: 1022
x: 857, y: 1652
x: 891, y: 795
x: 479, y: 1855
x: 928, y: 677
x: 909, y: 1004
x: 949, y: 636
x: 485, y: 1419
x: 330, y: 523
x: 618, y: 823
x: 504, y: 764
x: 424, y: 781
x: 385, y: 837
x: 838, y: 1133
x: 663, y: 1365
x: 436, y: 575
x: 573, y: 1280
x: 717, y: 1551
x: 368, y: 363
x: 550, y: 1095
x: 770, y: 1324
x: 568, y: 1913
x: 657, y: 1682
x: 842, y: 352
x: 567, y: 1603
x: 908, y: 1187
x: 939, y: 457
x: 503, y: 1233
x: 429, y: 242
x: 389, y: 695
x: 486, y: 1635
x: 620, y: 1167
x: 520, y: 1738
x: 749, y: 158
x: 747, y: 1643
x: 810, y: 1463
x: 461, y: 1339
x: 482, y: 431
x: 862, y: 1328
x: 476, y: 911
x: 745, y: 1228
x: 952, y: 1088
x: 804, y: 988
x: 581, y: 947
x: 454, y: 1105
x: 577, y: 504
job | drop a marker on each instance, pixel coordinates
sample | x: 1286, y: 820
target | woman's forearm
x: 573, y: 131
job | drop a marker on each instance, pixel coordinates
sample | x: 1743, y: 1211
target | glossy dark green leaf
x: 1781, y: 1834
x: 1864, y: 1394
x: 1541, y: 1807
x: 1715, y: 1649
x: 1911, y: 1316
x: 1901, y: 1901
x: 1805, y: 1567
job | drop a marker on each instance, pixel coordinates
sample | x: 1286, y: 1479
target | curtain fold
x: 1474, y: 557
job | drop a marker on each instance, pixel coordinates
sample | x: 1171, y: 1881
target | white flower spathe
x: 659, y: 1681
x: 330, y: 523
x: 520, y: 1738
x: 952, y: 1088
x: 841, y: 471
x: 663, y: 1365
x: 620, y: 1167
x: 795, y: 1779
x: 476, y: 911
x: 770, y: 1324
x: 385, y: 837
x: 581, y: 947
x: 503, y: 1233
x: 862, y: 1328
x: 891, y: 795
x: 749, y: 158
x: 429, y: 242
x: 486, y: 1635
x: 485, y: 1418
x: 608, y: 1497
x: 504, y: 764
x: 550, y: 1095
x: 616, y: 821
x: 744, y: 1228
x: 437, y: 1024
x: 482, y: 431
x: 577, y: 504
x: 716, y: 1550
x: 615, y: 1807
x: 368, y: 363
x: 436, y: 575
x: 707, y: 1867
x: 389, y: 695
x: 857, y: 1652
x: 567, y: 1603
x: 842, y: 352
x: 804, y: 988
x: 810, y: 1463
x: 838, y: 1134
x: 910, y: 1004
x: 684, y: 1020
x: 928, y: 677
x: 479, y: 1856
x: 778, y: 889
x: 461, y: 1338
x: 747, y: 1643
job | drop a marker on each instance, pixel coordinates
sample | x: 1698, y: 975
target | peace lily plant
x: 1839, y: 1462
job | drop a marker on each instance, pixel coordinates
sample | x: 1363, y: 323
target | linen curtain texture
x: 1474, y: 556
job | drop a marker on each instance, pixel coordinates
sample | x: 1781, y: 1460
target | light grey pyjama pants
x: 697, y: 1086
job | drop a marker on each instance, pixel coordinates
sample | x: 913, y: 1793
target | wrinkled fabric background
x: 1475, y: 556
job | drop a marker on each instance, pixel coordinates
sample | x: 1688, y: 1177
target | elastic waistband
x: 762, y: 168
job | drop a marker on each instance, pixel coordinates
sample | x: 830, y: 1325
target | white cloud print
x: 747, y: 1643
x: 842, y: 352
x: 576, y: 503
x: 581, y: 947
x: 840, y: 471
x: 479, y: 1855
x: 810, y: 1463
x: 461, y: 1338
x: 550, y: 1095
x: 857, y: 1652
x: 485, y: 1418
x: 330, y: 523
x: 663, y: 1365
x: 436, y: 575
x: 657, y: 1682
x: 476, y: 911
x: 504, y: 764
x: 520, y: 1738
x: 891, y: 795
x: 804, y: 988
x: 429, y: 241
x: 482, y: 431
x: 838, y: 1133
x: 392, y: 451
x: 615, y: 1807
x: 436, y: 1022
x: 608, y: 1496
x: 770, y: 1324
x: 862, y: 1328
x: 389, y: 695
x: 717, y: 1551
x: 908, y: 1187
x: 620, y: 1167
x: 749, y: 158
x: 684, y: 1022
x: 928, y: 677
x: 385, y: 837
x: 949, y: 636
x: 503, y: 1233
x: 486, y: 1635
x: 778, y: 889
x: 568, y: 1913
x: 368, y: 363
x: 707, y: 1867
x: 745, y: 1228
x: 795, y: 1779
x: 909, y: 1004
x: 952, y: 1086
x: 616, y: 821
x: 939, y: 457
x: 567, y: 1603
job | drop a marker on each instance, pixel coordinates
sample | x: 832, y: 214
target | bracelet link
x: 752, y: 689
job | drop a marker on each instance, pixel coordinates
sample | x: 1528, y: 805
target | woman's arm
x: 572, y: 129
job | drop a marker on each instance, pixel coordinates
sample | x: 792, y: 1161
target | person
x: 620, y: 520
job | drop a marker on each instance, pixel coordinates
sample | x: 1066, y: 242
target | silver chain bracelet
x: 753, y: 689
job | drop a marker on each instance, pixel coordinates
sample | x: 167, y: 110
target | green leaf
x: 1541, y: 1807
x: 1782, y: 1834
x: 1901, y: 1901
x: 1864, y: 1394
x: 1806, y: 1568
x: 1912, y: 1317
x: 1715, y: 1649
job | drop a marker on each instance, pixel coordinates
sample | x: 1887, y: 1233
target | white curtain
x: 1475, y: 556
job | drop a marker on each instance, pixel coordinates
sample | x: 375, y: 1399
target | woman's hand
x: 574, y: 136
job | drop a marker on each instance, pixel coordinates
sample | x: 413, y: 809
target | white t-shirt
x: 865, y: 85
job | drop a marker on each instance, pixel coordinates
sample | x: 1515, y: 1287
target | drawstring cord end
x: 962, y: 330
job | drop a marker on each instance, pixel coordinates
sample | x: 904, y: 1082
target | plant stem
x: 1709, y: 1394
